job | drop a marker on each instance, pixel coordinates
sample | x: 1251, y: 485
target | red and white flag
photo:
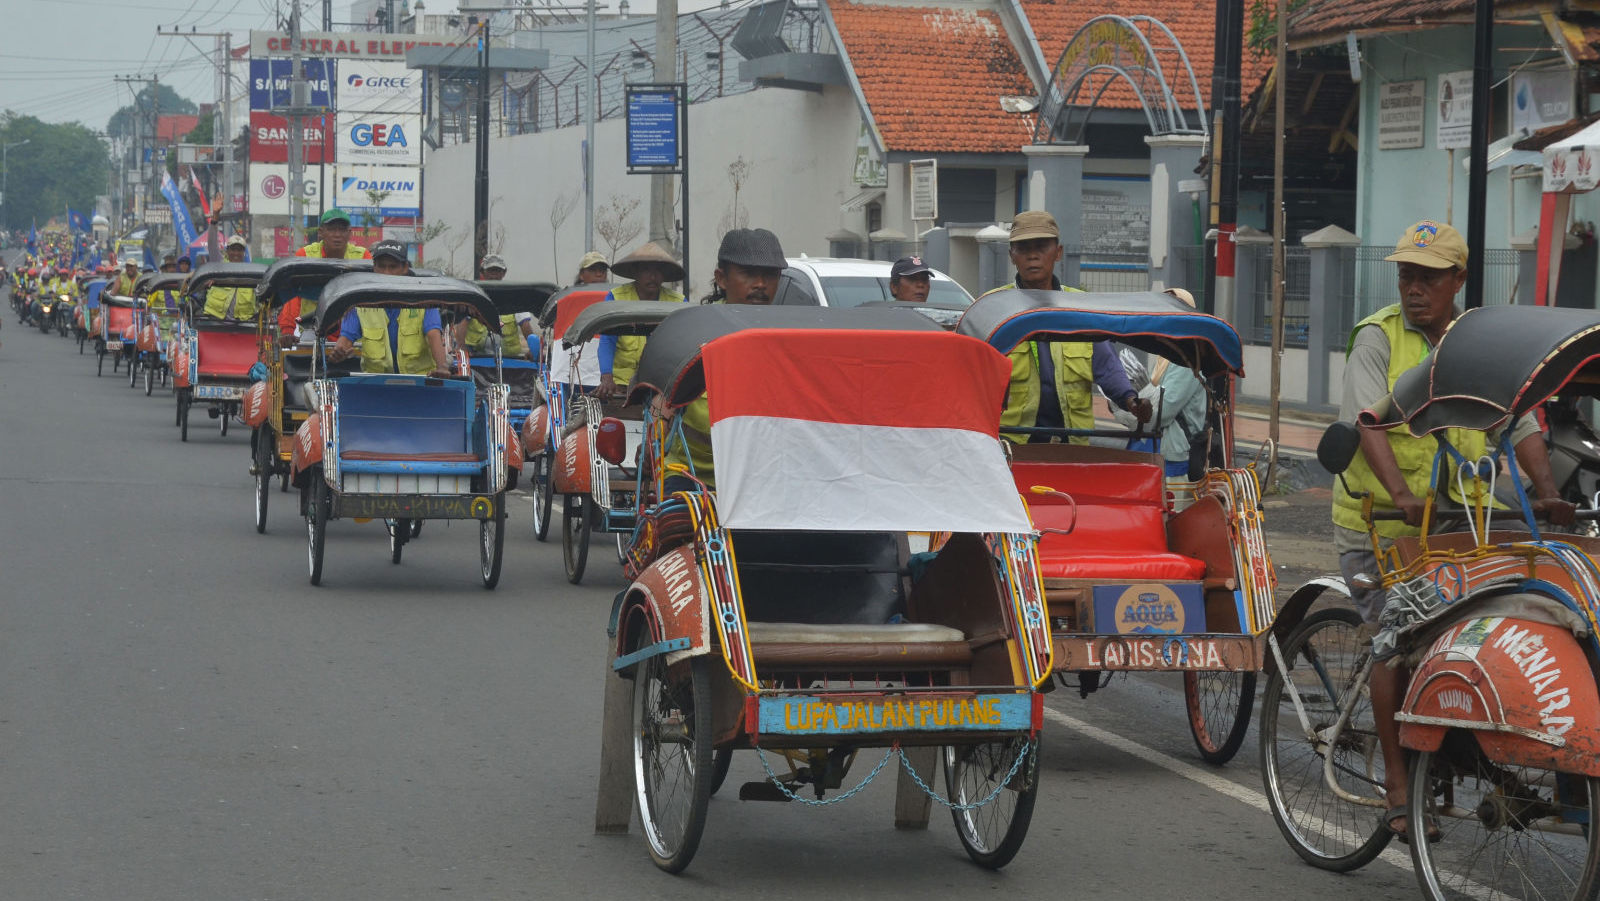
x: 859, y: 431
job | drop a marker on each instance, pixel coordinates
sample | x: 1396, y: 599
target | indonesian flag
x: 836, y: 430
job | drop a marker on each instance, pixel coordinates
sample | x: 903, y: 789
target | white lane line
x: 1195, y: 774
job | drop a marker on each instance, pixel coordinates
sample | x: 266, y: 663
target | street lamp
x: 6, y: 169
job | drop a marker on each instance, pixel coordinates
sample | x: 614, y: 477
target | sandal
x: 1395, y: 815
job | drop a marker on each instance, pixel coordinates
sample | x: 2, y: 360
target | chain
x: 1022, y: 754
x: 887, y: 756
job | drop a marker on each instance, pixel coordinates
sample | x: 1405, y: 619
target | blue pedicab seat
x: 407, y: 424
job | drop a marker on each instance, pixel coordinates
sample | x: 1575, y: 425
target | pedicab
x: 404, y: 448
x: 214, y: 356
x: 157, y: 320
x: 275, y: 405
x: 559, y: 368
x: 116, y: 335
x: 1140, y: 576
x: 777, y: 614
x: 1498, y: 625
x: 86, y: 317
x: 521, y: 375
x: 598, y: 493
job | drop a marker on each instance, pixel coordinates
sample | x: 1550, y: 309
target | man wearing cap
x: 407, y: 341
x: 593, y: 269
x: 910, y: 280
x: 333, y: 242
x: 231, y: 303
x: 1055, y: 389
x: 648, y: 267
x: 1397, y: 468
x: 514, y: 328
x: 125, y: 281
x: 749, y: 263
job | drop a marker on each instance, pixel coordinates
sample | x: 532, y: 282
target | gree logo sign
x: 358, y: 80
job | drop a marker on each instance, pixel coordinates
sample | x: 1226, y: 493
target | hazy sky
x: 60, y: 56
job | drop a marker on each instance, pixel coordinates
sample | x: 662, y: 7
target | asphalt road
x: 183, y: 717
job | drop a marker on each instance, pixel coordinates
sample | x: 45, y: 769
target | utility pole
x: 661, y: 218
x: 1280, y: 78
x: 1225, y: 108
x: 1478, y: 171
x: 588, y: 119
x: 223, y: 46
x: 299, y: 99
x: 144, y: 131
x: 480, y: 180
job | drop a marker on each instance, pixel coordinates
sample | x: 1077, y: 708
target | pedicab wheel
x: 100, y: 364
x: 177, y: 416
x: 623, y: 539
x: 261, y: 443
x: 492, y: 543
x: 183, y: 417
x: 399, y: 531
x: 149, y: 381
x: 133, y: 371
x: 576, y: 513
x: 222, y: 419
x: 1500, y: 832
x: 671, y: 754
x: 993, y: 833
x: 543, y: 496
x: 1324, y: 657
x: 1219, y: 712
x: 317, y: 524
x: 416, y: 528
x: 719, y: 768
x: 81, y: 339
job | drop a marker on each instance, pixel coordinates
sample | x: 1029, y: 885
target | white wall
x: 800, y: 146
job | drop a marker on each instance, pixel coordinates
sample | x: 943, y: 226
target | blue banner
x: 77, y: 221
x: 33, y: 239
x: 181, y: 223
x: 269, y: 82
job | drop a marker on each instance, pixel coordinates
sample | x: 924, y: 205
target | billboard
x: 379, y: 87
x: 269, y: 82
x: 380, y: 139
x: 269, y: 138
x: 350, y: 45
x: 390, y: 191
x: 269, y: 190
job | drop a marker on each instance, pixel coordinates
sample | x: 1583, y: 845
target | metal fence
x: 1114, y: 272
x: 1375, y: 286
x: 1296, y: 297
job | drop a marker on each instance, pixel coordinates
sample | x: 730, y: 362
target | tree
x: 61, y: 166
x: 126, y: 122
x: 736, y: 215
x: 561, y: 209
x: 615, y: 223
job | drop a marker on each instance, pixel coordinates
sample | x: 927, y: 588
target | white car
x: 832, y: 282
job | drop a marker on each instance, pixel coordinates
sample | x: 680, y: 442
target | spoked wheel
x: 993, y: 833
x: 576, y: 510
x: 116, y: 361
x: 1326, y: 657
x: 1509, y: 831
x: 719, y: 768
x: 317, y: 524
x: 264, y: 461
x: 1219, y: 712
x: 222, y: 419
x: 133, y: 371
x: 399, y: 534
x: 671, y: 754
x: 492, y: 543
x: 81, y: 339
x: 543, y: 496
x: 416, y: 528
x: 183, y: 415
x: 100, y: 364
x: 149, y: 380
x: 623, y: 539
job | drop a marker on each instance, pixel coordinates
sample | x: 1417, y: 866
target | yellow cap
x: 1032, y: 224
x: 1431, y: 244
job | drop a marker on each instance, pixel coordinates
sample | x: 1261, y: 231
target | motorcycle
x: 1574, y: 448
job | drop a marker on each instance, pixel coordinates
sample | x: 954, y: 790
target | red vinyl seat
x: 227, y: 354
x: 1120, y: 532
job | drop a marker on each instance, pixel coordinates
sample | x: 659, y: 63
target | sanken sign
x: 393, y: 190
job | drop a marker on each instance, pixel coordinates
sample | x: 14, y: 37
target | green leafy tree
x: 61, y: 166
x: 127, y: 121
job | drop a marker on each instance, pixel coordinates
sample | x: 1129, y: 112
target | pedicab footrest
x: 858, y: 647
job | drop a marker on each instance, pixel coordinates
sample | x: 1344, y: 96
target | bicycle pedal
x: 762, y: 791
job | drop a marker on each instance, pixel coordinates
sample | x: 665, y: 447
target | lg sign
x: 378, y: 135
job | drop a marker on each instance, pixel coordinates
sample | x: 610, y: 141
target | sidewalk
x: 1297, y: 436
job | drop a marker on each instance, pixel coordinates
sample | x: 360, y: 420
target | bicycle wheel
x: 317, y: 524
x: 399, y: 531
x: 264, y: 461
x: 543, y: 496
x: 1219, y: 712
x: 576, y: 510
x: 1509, y: 831
x: 149, y: 381
x: 1325, y: 657
x: 993, y: 833
x: 492, y: 543
x: 671, y: 754
x: 719, y: 768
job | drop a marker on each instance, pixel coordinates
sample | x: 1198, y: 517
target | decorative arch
x: 1138, y: 52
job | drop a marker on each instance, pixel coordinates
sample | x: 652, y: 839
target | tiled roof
x: 1193, y: 23
x: 171, y: 129
x: 1327, y: 21
x: 933, y: 77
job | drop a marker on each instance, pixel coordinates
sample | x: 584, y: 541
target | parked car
x: 832, y: 282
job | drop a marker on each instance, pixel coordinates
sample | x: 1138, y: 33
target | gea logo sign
x: 378, y: 81
x: 378, y: 135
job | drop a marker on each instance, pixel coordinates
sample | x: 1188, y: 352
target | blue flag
x: 181, y: 223
x: 77, y: 221
x: 150, y: 258
x: 33, y: 239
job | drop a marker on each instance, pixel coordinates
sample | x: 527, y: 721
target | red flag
x: 205, y: 203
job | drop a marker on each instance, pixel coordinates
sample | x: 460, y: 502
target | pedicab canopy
x: 368, y: 289
x: 842, y: 419
x: 565, y: 305
x: 511, y: 298
x: 302, y: 277
x: 1495, y: 363
x: 636, y: 317
x: 223, y: 275
x: 947, y: 315
x: 151, y: 282
x: 1149, y: 321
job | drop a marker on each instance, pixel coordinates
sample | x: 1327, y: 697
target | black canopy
x: 632, y: 317
x: 670, y: 364
x: 362, y: 289
x: 947, y: 315
x: 1495, y: 363
x: 1150, y: 321
x: 511, y: 298
x: 224, y: 275
x: 158, y: 281
x: 547, y: 314
x: 293, y: 277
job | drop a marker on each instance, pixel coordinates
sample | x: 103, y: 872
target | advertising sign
x: 1401, y: 112
x: 269, y: 139
x: 379, y: 87
x: 1453, y: 126
x: 924, y: 189
x: 653, y: 128
x: 380, y: 138
x: 1540, y: 99
x: 269, y: 82
x: 349, y: 45
x: 388, y: 191
x: 269, y: 189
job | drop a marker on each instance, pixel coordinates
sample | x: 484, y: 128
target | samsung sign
x: 270, y: 80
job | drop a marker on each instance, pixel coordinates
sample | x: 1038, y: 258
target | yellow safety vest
x: 510, y: 333
x: 314, y: 250
x: 124, y: 286
x: 1074, y: 365
x: 625, y: 361
x: 243, y: 301
x: 697, y: 435
x: 376, y: 354
x: 1414, y: 456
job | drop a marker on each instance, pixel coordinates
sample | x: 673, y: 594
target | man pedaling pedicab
x: 406, y: 341
x: 231, y: 303
x: 333, y: 243
x: 1052, y: 382
x: 1397, y: 469
x: 749, y: 264
x: 516, y: 330
x: 648, y: 267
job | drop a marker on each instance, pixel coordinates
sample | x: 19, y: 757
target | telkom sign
x: 380, y: 139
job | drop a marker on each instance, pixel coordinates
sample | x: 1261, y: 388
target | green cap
x: 335, y: 215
